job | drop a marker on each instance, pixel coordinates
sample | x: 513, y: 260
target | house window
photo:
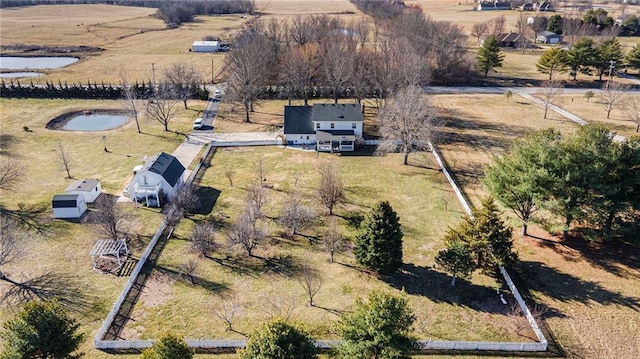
x: 333, y: 125
x: 307, y: 137
x: 353, y: 125
x: 318, y: 125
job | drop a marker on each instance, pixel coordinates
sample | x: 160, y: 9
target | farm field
x: 267, y: 285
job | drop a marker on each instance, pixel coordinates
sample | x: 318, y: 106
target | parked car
x: 198, y: 124
x: 217, y: 95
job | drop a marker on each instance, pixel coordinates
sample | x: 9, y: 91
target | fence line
x: 230, y: 345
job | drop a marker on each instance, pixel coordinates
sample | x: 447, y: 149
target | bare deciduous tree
x: 203, y: 238
x: 189, y: 269
x: 110, y: 217
x: 550, y: 93
x: 12, y: 245
x: 162, y: 107
x: 184, y: 80
x: 331, y: 189
x: 337, y: 65
x: 246, y: 233
x: 173, y: 215
x: 186, y: 198
x: 611, y: 95
x: 255, y: 200
x: 311, y: 281
x: 407, y: 121
x: 480, y: 30
x: 131, y: 100
x: 496, y: 25
x: 65, y: 158
x: 296, y: 216
x: 333, y: 241
x: 229, y: 174
x: 10, y: 172
x: 523, y: 28
x: 249, y: 66
x: 632, y: 110
x: 228, y: 310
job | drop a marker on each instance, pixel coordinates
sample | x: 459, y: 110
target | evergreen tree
x: 380, y: 328
x: 379, y: 243
x: 608, y: 57
x: 279, y: 340
x: 169, y: 346
x: 633, y: 57
x: 552, y: 61
x: 555, y: 24
x: 581, y: 57
x: 42, y: 330
x: 489, y: 55
x: 457, y: 260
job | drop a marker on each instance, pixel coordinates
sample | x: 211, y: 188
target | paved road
x: 210, y: 111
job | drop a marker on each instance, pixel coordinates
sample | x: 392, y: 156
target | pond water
x: 17, y: 63
x: 20, y: 74
x: 94, y: 122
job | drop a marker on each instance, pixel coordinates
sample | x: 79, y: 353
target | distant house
x: 548, y: 37
x: 493, y: 5
x: 543, y: 6
x: 68, y: 206
x: 526, y: 7
x: 328, y: 127
x: 510, y: 39
x: 205, y: 46
x: 90, y: 189
x: 157, y: 181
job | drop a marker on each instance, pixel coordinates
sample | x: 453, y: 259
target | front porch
x: 335, y: 140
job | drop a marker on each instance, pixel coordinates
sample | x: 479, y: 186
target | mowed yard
x: 589, y: 293
x: 268, y: 285
x: 58, y: 251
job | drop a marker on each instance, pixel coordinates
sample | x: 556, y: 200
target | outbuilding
x: 89, y: 188
x: 68, y: 206
x: 205, y: 46
x: 548, y: 37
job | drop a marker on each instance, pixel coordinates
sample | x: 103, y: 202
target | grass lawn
x: 267, y: 285
x: 62, y: 248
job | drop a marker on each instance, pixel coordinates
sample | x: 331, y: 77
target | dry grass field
x: 267, y: 285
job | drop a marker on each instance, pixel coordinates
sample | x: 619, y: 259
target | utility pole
x: 212, y: 79
x: 153, y: 73
x: 612, y: 65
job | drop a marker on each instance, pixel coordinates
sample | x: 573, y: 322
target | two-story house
x: 328, y: 127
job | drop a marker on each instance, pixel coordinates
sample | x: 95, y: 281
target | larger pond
x: 94, y: 122
x: 20, y: 74
x: 19, y: 63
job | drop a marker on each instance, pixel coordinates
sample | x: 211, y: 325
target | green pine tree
x: 379, y: 328
x: 489, y: 55
x: 279, y: 340
x: 633, y: 57
x: 581, y: 57
x: 552, y: 61
x: 379, y: 243
x: 608, y: 57
x: 457, y: 260
x: 41, y: 330
x: 169, y: 346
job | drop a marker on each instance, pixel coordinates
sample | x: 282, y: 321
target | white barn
x: 205, y: 46
x: 68, y: 206
x: 157, y: 181
x: 89, y: 188
x: 328, y: 127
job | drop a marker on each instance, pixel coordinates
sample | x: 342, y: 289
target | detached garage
x: 205, y: 46
x: 68, y: 206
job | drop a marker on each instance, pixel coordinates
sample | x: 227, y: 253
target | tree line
x: 588, y: 179
x: 324, y: 54
x: 586, y: 57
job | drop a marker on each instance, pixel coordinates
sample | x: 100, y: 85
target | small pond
x: 20, y: 74
x: 94, y: 122
x: 18, y: 63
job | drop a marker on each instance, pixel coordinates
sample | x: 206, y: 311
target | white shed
x: 68, y: 206
x: 205, y: 46
x: 89, y: 188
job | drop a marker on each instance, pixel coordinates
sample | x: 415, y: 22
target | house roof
x: 206, y: 43
x: 65, y: 200
x: 297, y: 120
x: 166, y: 166
x: 337, y: 112
x: 325, y: 135
x: 508, y: 37
x: 85, y: 185
x: 547, y: 33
